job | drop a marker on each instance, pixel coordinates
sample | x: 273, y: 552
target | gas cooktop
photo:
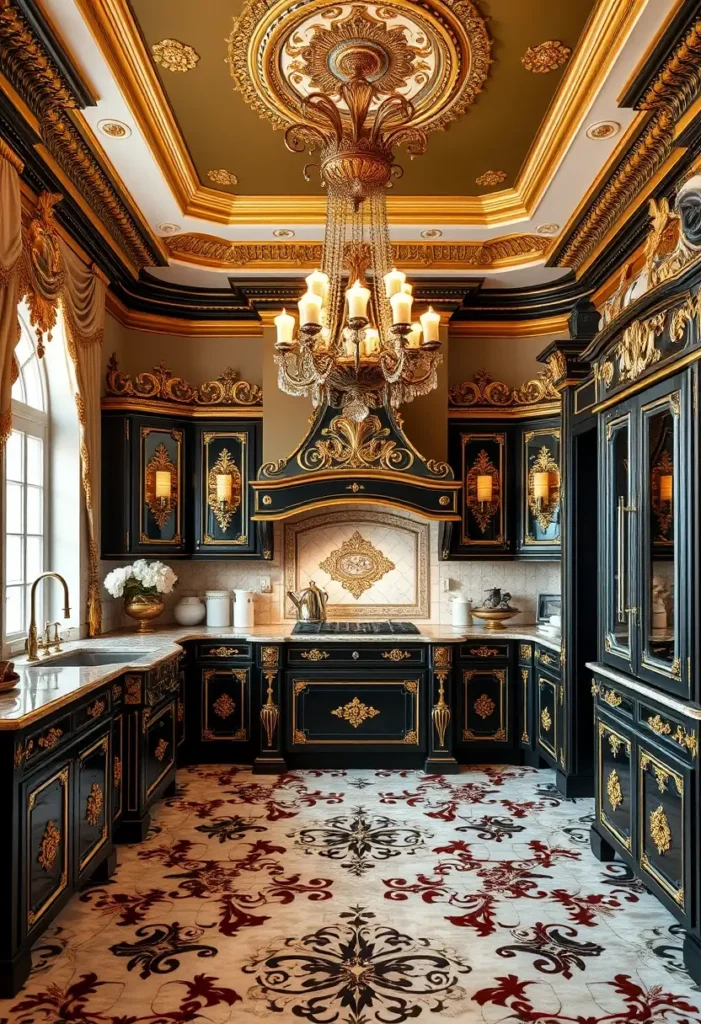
x: 373, y: 628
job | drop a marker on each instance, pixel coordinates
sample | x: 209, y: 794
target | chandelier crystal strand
x: 339, y: 356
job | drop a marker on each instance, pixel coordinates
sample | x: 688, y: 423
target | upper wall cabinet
x: 177, y: 464
x: 226, y: 460
x: 504, y: 444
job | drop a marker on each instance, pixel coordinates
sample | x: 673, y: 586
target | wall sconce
x: 161, y: 486
x: 485, y: 489
x: 666, y: 487
x: 544, y: 488
x: 224, y: 489
x: 482, y: 488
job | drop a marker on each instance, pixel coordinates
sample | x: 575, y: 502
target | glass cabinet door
x: 617, y: 523
x: 661, y: 541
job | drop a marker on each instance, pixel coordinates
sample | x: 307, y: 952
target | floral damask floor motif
x: 371, y: 897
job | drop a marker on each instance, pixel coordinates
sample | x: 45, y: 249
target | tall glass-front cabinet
x: 645, y: 685
x: 645, y: 540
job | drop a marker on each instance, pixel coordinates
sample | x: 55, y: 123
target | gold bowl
x: 144, y: 607
x: 493, y: 617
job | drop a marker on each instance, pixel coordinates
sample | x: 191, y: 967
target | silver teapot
x: 310, y: 603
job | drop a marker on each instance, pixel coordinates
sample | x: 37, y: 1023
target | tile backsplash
x: 523, y: 580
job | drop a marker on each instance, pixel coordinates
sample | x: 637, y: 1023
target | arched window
x: 26, y: 484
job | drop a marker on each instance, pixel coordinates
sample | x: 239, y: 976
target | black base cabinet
x: 57, y: 805
x: 647, y: 803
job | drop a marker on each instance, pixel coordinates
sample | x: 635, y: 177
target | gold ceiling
x: 439, y: 49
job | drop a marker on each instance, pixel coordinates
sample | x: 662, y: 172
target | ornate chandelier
x: 357, y: 348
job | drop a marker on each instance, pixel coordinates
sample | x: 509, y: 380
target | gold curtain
x: 83, y: 306
x: 10, y: 252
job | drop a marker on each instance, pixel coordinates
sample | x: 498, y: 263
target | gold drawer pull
x: 96, y: 709
x: 612, y: 698
x: 546, y: 659
x: 225, y: 652
x: 687, y: 740
x: 315, y: 654
x: 396, y: 655
x: 50, y: 738
x: 485, y: 652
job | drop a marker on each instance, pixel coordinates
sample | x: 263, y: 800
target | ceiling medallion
x: 283, y: 233
x: 436, y: 54
x: 491, y: 178
x: 432, y: 233
x: 174, y: 56
x: 548, y: 229
x: 356, y: 565
x: 114, y: 129
x: 545, y: 57
x: 169, y: 229
x: 603, y: 130
x: 222, y: 177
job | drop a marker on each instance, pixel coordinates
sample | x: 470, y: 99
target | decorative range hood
x: 341, y: 461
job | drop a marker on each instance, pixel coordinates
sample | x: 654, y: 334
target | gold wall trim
x: 484, y: 392
x: 666, y: 101
x: 508, y: 328
x: 160, y: 384
x: 118, y: 37
x: 158, y: 323
x: 37, y: 80
x: 205, y: 250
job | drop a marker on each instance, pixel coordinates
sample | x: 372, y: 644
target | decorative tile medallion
x: 356, y: 565
x: 491, y: 178
x: 484, y: 706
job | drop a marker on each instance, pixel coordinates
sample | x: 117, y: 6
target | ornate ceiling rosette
x: 436, y: 55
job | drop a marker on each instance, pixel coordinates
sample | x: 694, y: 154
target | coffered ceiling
x: 520, y: 101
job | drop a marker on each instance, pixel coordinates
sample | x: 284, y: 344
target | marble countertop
x: 43, y: 688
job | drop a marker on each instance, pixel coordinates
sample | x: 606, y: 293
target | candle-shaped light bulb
x: 224, y: 487
x: 393, y: 282
x: 408, y: 288
x: 163, y: 482
x: 413, y: 338
x: 358, y: 297
x: 309, y: 307
x: 541, y: 487
x: 285, y: 325
x: 666, y: 487
x: 430, y: 323
x: 318, y: 284
x: 484, y: 489
x: 401, y: 304
x: 372, y: 340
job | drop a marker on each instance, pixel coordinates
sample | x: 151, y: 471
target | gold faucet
x: 33, y: 644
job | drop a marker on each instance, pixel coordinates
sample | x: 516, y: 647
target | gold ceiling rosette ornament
x: 352, y: 83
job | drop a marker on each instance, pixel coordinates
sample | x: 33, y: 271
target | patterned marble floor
x: 362, y: 898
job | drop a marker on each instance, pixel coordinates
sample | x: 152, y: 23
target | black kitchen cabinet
x: 173, y: 487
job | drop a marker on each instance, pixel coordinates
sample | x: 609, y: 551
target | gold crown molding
x: 158, y: 323
x: 508, y: 328
x: 116, y: 33
x: 40, y: 85
x: 484, y: 392
x: 209, y: 251
x: 666, y: 101
x: 160, y: 385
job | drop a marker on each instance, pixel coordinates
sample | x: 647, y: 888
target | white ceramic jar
x: 244, y: 609
x: 189, y: 611
x: 460, y: 611
x: 218, y: 607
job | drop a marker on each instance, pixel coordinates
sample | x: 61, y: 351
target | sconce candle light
x: 484, y: 489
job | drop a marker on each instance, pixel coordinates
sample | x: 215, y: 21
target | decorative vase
x: 189, y: 611
x: 144, y: 607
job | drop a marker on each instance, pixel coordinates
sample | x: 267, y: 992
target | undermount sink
x: 80, y: 659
